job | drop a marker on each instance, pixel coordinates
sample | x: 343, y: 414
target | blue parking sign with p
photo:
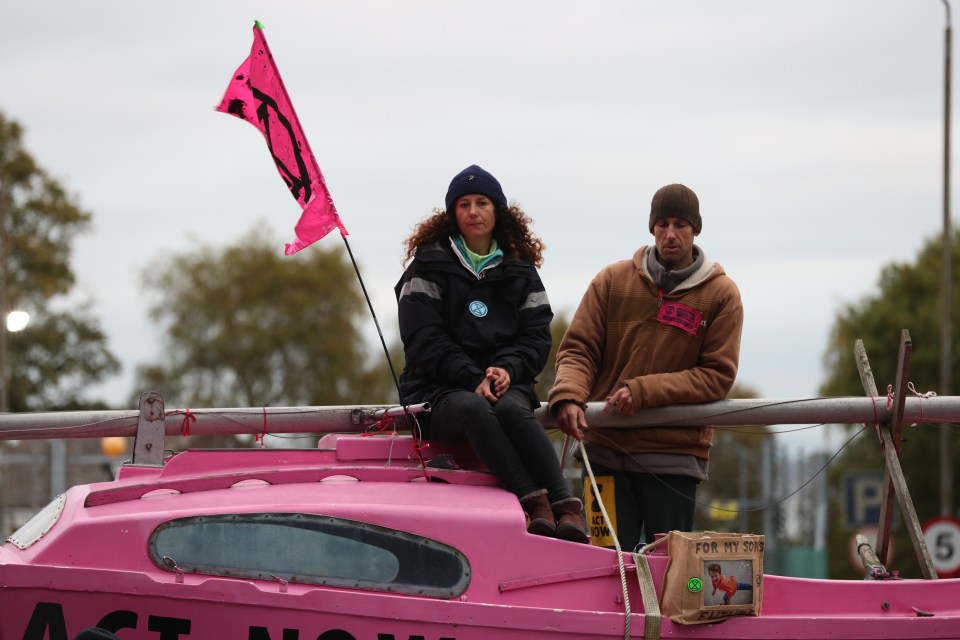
x: 863, y: 495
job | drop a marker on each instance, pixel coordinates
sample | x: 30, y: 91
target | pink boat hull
x: 92, y: 568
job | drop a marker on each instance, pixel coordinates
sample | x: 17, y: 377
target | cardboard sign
x: 711, y: 576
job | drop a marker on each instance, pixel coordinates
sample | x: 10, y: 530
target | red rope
x: 418, y: 448
x: 385, y: 423
x: 876, y: 420
x: 388, y: 422
x: 418, y: 444
x: 185, y: 423
x: 259, y: 437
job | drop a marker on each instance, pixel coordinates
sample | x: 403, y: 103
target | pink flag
x: 257, y: 95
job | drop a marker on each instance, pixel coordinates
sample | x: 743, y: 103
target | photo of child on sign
x: 729, y: 582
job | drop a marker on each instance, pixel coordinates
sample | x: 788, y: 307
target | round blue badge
x: 478, y: 309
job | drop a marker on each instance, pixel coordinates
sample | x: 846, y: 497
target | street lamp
x: 4, y: 301
x: 16, y: 321
x: 946, y: 332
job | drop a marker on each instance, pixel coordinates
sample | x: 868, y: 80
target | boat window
x: 37, y: 526
x: 311, y: 549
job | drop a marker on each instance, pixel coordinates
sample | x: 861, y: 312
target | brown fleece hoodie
x: 616, y: 339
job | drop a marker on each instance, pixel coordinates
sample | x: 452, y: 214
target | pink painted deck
x: 94, y: 565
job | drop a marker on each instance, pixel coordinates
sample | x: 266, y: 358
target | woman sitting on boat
x: 475, y: 324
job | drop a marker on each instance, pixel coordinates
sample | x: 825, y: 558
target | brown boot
x: 541, y: 520
x: 569, y: 522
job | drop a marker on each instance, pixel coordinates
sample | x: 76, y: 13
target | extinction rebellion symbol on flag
x: 256, y: 94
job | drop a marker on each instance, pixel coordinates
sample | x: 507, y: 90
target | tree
x: 736, y: 484
x: 908, y: 298
x: 62, y: 351
x: 549, y: 374
x: 246, y: 326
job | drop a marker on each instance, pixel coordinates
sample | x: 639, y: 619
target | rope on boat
x: 616, y: 542
x: 922, y: 396
x: 648, y: 591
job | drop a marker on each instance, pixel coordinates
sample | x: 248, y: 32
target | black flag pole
x: 410, y: 418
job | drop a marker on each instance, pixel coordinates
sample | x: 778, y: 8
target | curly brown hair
x: 511, y: 230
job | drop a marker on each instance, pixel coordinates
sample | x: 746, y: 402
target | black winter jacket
x: 455, y: 323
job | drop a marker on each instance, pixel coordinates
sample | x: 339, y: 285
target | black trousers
x: 639, y: 502
x: 506, y: 436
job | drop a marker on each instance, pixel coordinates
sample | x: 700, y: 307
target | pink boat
x: 356, y: 540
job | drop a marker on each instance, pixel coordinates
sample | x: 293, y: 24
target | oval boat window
x: 310, y: 549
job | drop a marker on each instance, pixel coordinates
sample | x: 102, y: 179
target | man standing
x: 660, y: 329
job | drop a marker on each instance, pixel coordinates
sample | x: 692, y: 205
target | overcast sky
x: 811, y: 130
